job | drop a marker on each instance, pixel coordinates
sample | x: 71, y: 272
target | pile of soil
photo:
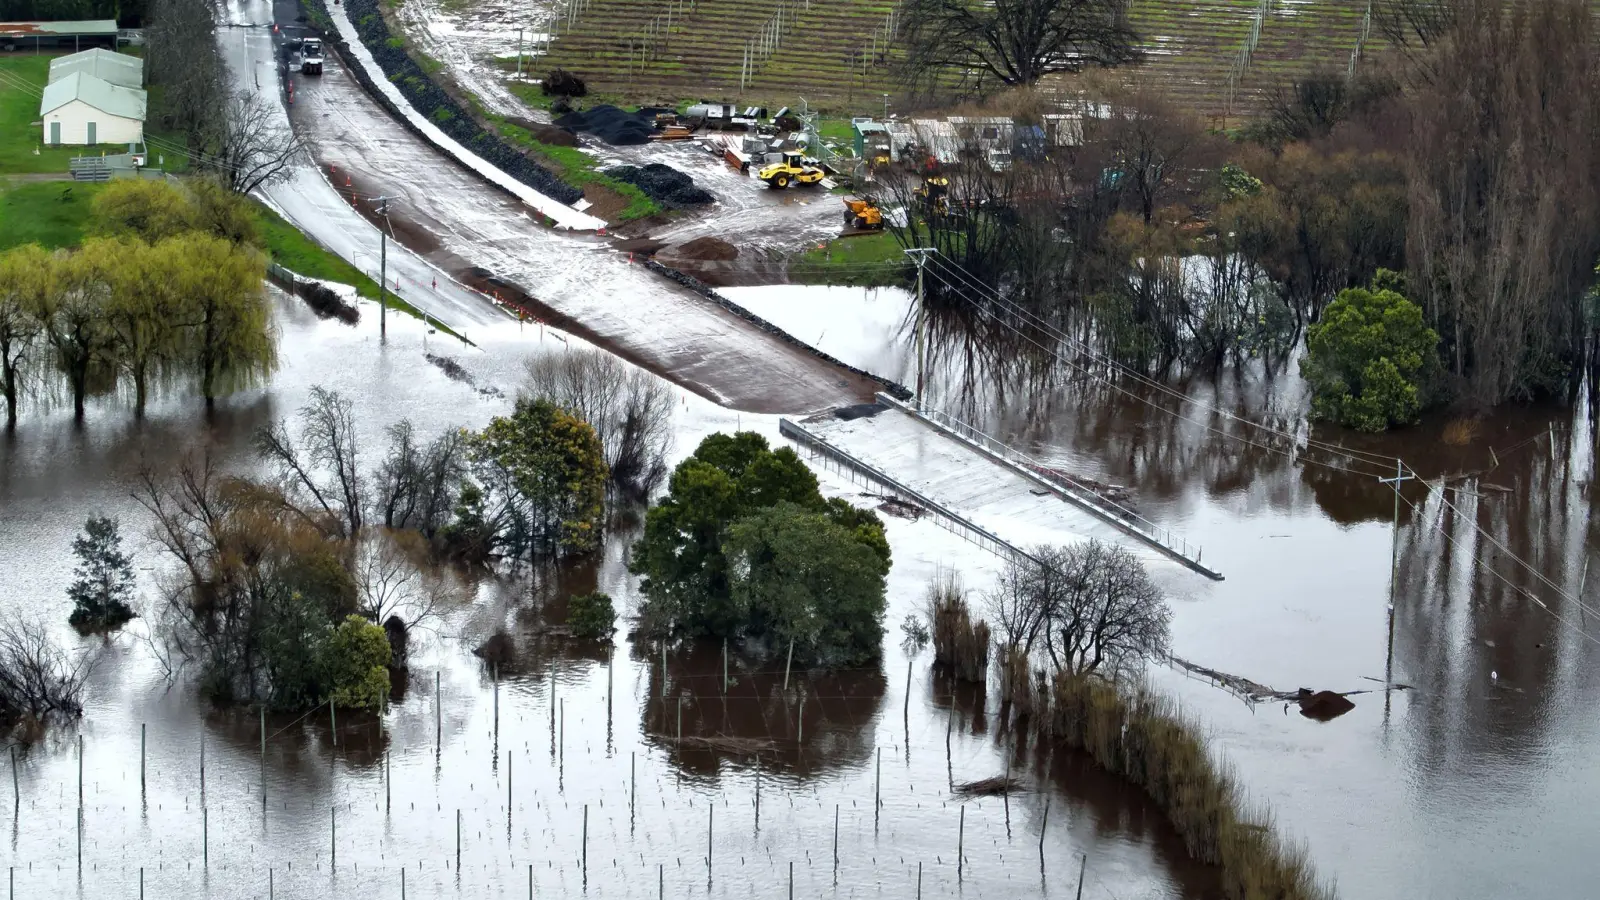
x: 707, y: 249
x: 545, y: 134
x: 662, y: 183
x: 612, y: 125
x: 429, y: 99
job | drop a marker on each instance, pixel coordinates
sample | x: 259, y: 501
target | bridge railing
x: 1117, y: 515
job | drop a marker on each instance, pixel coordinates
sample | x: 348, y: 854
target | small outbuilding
x: 119, y: 69
x: 82, y: 109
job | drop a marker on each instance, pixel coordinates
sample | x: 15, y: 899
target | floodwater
x: 1479, y: 782
x: 566, y: 734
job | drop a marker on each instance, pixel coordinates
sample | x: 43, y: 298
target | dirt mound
x: 662, y: 183
x: 707, y: 249
x: 546, y: 134
x: 612, y: 125
x: 1323, y: 705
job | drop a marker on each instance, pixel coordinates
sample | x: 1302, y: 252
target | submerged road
x: 465, y: 227
x: 311, y: 203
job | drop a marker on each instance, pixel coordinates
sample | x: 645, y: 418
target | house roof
x: 117, y: 68
x: 128, y: 103
x: 86, y: 28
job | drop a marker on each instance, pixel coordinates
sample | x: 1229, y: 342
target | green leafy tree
x: 543, y: 483
x: 1369, y: 359
x: 682, y: 556
x: 76, y: 325
x: 230, y: 340
x: 799, y: 575
x: 102, y: 585
x: 145, y: 209
x: 357, y: 655
x: 592, y: 616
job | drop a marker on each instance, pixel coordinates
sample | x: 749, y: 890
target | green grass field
x: 53, y: 214
x: 21, y: 140
x: 872, y: 260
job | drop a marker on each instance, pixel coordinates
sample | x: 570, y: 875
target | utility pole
x: 1394, y: 575
x: 920, y: 254
x: 383, y: 268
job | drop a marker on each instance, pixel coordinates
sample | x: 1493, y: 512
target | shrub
x: 960, y: 644
x: 561, y: 83
x: 357, y: 661
x: 1368, y: 359
x: 103, y: 582
x: 592, y: 616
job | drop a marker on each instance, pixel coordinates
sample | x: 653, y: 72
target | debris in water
x: 1323, y: 705
x: 988, y: 787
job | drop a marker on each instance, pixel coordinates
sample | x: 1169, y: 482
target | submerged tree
x: 103, y: 583
x: 698, y: 578
x: 28, y: 277
x: 1084, y: 608
x: 630, y: 409
x: 1367, y: 361
x: 230, y: 340
x: 799, y: 577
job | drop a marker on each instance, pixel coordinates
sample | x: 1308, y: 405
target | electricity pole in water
x: 383, y: 267
x: 920, y: 254
x: 1394, y: 576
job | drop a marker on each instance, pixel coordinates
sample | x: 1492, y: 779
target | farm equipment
x: 793, y: 168
x: 932, y: 195
x: 311, y: 56
x: 862, y: 215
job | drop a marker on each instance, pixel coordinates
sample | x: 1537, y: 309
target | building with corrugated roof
x: 118, y: 68
x: 82, y: 109
x: 73, y: 36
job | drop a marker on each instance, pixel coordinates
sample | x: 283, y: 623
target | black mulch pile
x: 663, y: 184
x: 612, y: 125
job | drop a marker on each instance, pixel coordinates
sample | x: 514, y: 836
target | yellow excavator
x: 862, y: 215
x: 933, y: 193
x: 794, y: 168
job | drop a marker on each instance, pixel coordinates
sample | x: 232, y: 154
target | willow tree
x: 141, y: 310
x: 230, y: 344
x: 77, y: 328
x: 27, y: 276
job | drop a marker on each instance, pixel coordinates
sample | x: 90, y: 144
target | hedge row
x: 431, y: 101
x: 895, y: 389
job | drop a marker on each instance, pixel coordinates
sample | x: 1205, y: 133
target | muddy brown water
x: 564, y: 728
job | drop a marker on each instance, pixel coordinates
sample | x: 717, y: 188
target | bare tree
x: 255, y: 147
x: 322, y: 470
x: 393, y: 589
x: 1083, y: 607
x: 416, y: 486
x: 1504, y: 185
x: 1013, y: 42
x: 39, y: 680
x: 630, y: 409
x: 184, y: 60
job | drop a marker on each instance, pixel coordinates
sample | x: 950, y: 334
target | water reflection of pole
x: 1082, y: 864
x: 438, y: 716
x: 920, y: 254
x: 1043, y: 824
x: 1394, y: 578
x: 961, y: 838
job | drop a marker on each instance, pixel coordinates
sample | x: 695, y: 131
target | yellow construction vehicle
x: 793, y: 168
x: 862, y: 215
x: 932, y: 194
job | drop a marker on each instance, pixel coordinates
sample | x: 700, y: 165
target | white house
x: 118, y: 68
x: 82, y: 109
